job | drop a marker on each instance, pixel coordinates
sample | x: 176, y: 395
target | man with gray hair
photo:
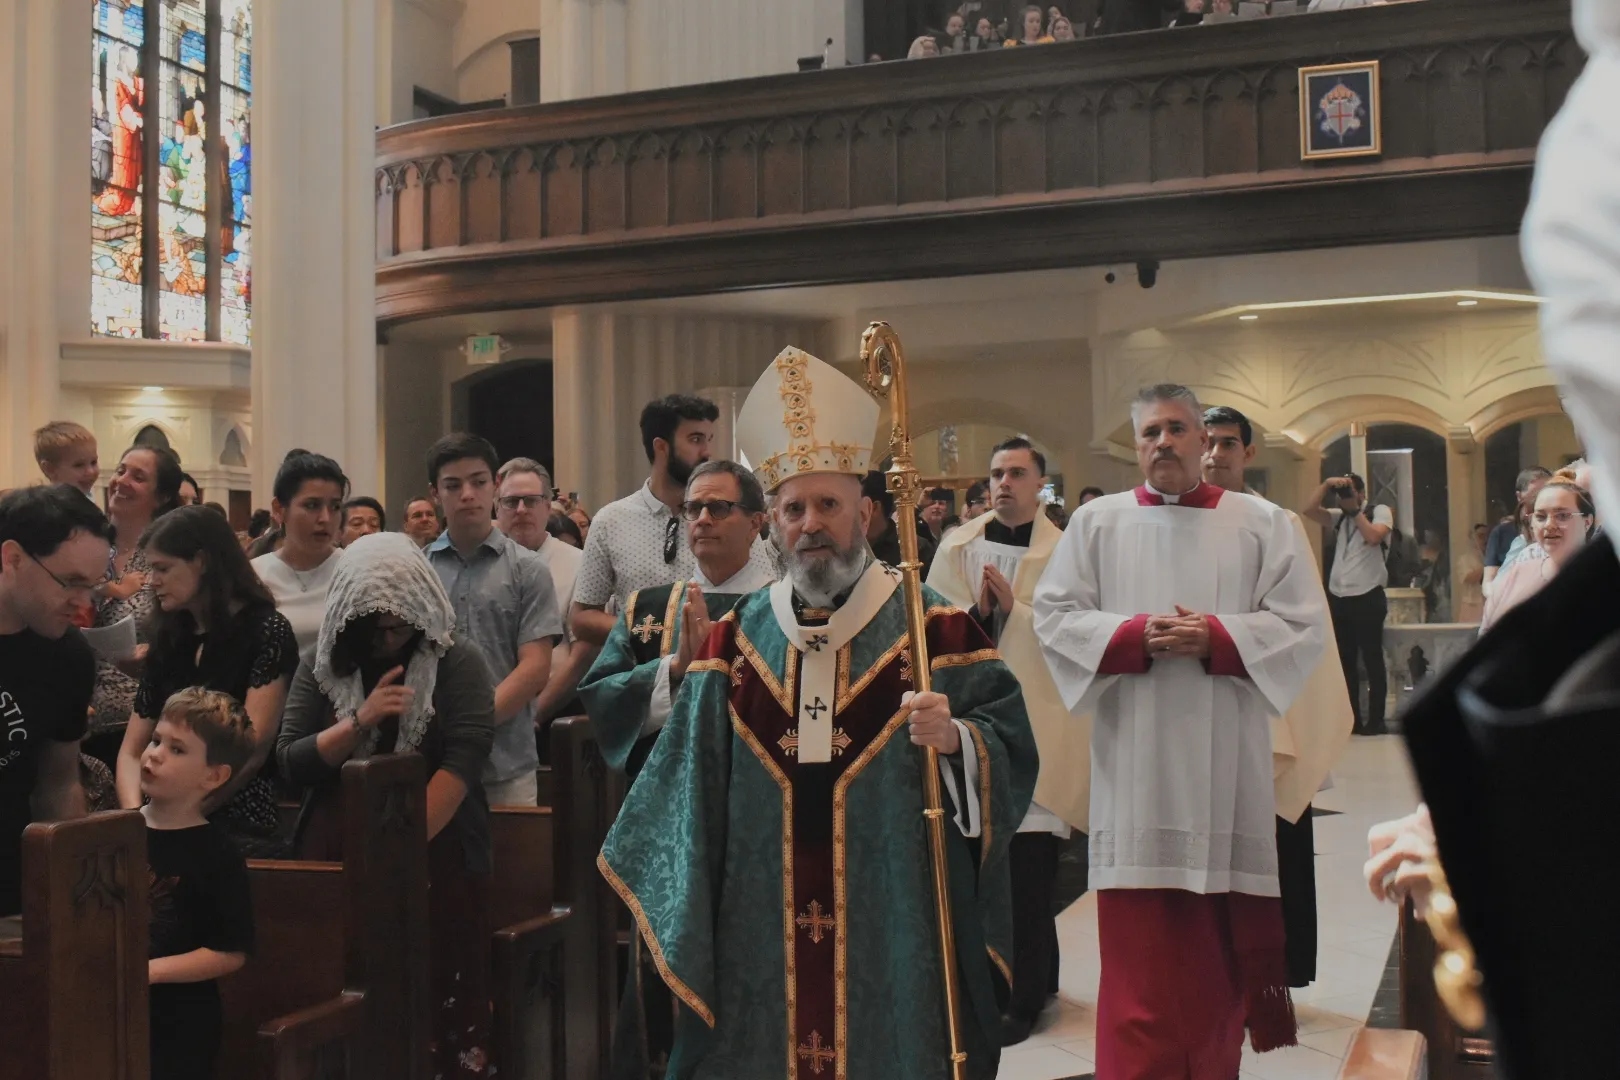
x: 1182, y: 617
x: 630, y: 688
x: 522, y: 508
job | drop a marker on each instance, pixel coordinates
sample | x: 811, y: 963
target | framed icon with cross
x: 1340, y: 111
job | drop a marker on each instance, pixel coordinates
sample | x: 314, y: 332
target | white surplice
x: 1571, y: 245
x: 1181, y: 777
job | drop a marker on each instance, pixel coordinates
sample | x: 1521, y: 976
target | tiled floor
x: 1371, y: 784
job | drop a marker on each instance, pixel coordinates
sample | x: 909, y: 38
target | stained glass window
x: 236, y: 91
x: 170, y: 159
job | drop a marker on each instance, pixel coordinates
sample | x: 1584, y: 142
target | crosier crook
x: 886, y: 379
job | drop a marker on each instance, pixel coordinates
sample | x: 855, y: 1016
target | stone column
x: 1466, y: 499
x: 314, y: 318
x: 607, y: 363
x: 44, y: 215
x: 1358, y: 450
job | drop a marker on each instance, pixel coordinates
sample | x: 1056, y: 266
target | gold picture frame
x: 1341, y: 111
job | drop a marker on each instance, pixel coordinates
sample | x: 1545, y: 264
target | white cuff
x: 660, y: 705
x: 966, y: 804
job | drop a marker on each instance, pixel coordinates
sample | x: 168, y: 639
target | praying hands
x: 1186, y: 633
x: 995, y: 591
x: 695, y: 627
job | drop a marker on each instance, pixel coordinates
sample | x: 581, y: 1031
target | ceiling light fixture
x: 1350, y: 301
x: 1247, y: 318
x: 1468, y: 303
x: 151, y: 389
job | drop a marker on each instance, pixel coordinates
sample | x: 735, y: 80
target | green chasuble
x: 621, y: 682
x: 788, y: 905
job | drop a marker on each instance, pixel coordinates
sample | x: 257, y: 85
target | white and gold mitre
x: 804, y: 416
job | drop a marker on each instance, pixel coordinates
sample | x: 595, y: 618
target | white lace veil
x: 377, y: 573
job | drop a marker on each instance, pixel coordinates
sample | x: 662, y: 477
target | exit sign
x: 485, y: 349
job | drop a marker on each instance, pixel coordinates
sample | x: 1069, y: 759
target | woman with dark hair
x: 1030, y: 23
x: 386, y: 677
x: 565, y: 529
x: 145, y: 486
x: 216, y: 627
x: 307, y: 504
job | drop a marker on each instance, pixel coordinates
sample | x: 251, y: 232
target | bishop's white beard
x: 820, y: 578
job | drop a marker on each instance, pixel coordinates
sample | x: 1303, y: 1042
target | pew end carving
x: 342, y: 988
x: 75, y: 983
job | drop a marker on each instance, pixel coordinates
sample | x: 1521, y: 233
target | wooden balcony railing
x: 1170, y: 144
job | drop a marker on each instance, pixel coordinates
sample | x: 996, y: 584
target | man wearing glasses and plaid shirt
x: 54, y: 551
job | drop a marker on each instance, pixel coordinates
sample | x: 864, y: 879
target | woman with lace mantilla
x: 386, y: 678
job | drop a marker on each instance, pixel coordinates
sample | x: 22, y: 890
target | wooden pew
x: 528, y: 934
x: 1454, y: 1053
x: 73, y: 1002
x: 591, y: 792
x: 336, y: 989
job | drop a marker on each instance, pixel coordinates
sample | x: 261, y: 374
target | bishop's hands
x: 695, y: 627
x: 1186, y: 633
x: 995, y: 592
x: 931, y: 723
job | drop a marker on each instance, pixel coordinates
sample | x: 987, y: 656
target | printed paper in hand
x: 115, y: 642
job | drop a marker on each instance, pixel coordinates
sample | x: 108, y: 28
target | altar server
x: 1183, y: 617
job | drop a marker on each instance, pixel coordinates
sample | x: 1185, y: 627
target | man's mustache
x: 814, y: 543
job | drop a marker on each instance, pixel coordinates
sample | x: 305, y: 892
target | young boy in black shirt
x: 202, y: 916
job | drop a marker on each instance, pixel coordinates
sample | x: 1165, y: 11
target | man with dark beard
x: 785, y: 793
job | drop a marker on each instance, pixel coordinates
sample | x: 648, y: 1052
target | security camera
x: 1147, y: 273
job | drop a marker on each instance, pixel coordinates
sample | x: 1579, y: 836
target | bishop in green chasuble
x: 773, y: 849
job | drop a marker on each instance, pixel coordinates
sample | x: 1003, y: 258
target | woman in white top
x: 307, y: 505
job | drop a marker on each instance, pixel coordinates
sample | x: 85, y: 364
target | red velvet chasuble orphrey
x: 767, y: 715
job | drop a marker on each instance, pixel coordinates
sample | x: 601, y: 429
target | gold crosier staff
x: 886, y: 378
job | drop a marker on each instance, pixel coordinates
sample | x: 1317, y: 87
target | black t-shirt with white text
x: 45, y: 688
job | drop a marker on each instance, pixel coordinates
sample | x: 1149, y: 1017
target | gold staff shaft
x: 885, y: 377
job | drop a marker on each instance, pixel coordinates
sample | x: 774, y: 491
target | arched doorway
x: 963, y: 450
x: 511, y: 406
x: 1548, y: 440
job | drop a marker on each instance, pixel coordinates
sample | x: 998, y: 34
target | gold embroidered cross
x: 647, y: 628
x: 737, y: 670
x: 817, y: 1055
x: 789, y: 742
x: 815, y: 922
x: 905, y: 667
x: 840, y: 741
